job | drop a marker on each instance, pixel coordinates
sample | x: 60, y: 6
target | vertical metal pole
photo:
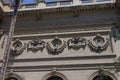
x: 9, y: 40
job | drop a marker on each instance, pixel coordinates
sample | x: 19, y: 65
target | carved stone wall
x: 61, y: 46
x: 80, y: 44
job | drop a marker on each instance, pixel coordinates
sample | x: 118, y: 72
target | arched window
x: 102, y: 77
x: 55, y: 78
x: 11, y: 78
x: 105, y: 76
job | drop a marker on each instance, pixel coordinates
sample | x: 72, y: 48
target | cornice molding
x: 83, y: 31
x: 31, y: 69
x: 61, y: 68
x: 90, y: 57
x: 75, y: 10
x: 84, y: 64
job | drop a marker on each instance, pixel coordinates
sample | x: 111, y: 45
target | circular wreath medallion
x: 17, y: 47
x: 98, y: 42
x: 56, y: 45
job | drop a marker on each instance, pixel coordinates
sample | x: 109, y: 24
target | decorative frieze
x: 56, y: 46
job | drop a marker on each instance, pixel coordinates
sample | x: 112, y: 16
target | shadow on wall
x: 118, y: 28
x: 0, y: 20
x: 116, y: 32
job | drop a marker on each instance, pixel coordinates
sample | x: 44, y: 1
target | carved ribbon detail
x: 76, y: 42
x: 35, y: 45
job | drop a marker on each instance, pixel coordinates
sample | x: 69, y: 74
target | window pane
x: 29, y: 1
x: 51, y: 4
x: 86, y: 1
x: 102, y: 77
x: 65, y: 3
x: 55, y: 0
x: 102, y: 0
x: 55, y: 78
x: 30, y: 6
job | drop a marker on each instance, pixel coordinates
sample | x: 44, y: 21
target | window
x: 66, y: 3
x: 102, y: 0
x: 102, y: 77
x: 54, y: 2
x: 87, y: 1
x: 48, y: 1
x: 31, y: 6
x: 55, y: 78
x: 51, y: 4
x: 29, y: 2
x: 11, y: 78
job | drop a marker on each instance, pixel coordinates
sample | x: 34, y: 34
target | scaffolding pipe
x: 15, y: 4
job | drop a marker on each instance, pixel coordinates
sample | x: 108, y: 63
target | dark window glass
x: 102, y: 0
x: 55, y: 78
x: 66, y: 3
x: 30, y: 6
x: 11, y: 78
x: 102, y: 77
x: 54, y: 0
x: 51, y: 4
x: 87, y: 1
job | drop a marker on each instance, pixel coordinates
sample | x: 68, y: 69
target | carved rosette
x: 36, y: 45
x: 76, y: 43
x: 56, y: 46
x: 98, y: 43
x: 17, y: 47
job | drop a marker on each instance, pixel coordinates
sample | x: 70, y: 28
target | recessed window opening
x: 55, y: 78
x: 102, y: 77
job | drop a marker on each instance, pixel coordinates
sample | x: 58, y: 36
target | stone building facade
x: 62, y: 40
